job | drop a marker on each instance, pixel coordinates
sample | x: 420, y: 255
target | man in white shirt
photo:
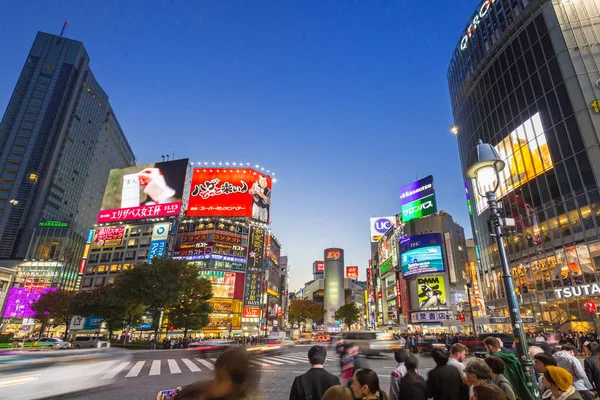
x: 458, y: 354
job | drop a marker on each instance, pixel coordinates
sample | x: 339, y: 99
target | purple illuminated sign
x: 416, y: 190
x: 19, y: 301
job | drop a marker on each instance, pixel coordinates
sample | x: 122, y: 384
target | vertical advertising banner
x: 255, y: 267
x: 450, y: 257
x: 418, y: 199
x: 144, y: 191
x: 158, y: 243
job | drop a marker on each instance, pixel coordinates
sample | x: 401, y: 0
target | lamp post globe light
x: 485, y: 166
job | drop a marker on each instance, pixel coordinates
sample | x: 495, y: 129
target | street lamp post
x: 484, y: 166
x: 469, y: 285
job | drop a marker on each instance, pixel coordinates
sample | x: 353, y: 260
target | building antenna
x: 163, y: 157
x: 63, y: 31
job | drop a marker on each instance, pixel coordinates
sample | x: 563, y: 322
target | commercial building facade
x: 523, y: 78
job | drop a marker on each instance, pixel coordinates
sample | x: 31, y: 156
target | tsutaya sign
x: 577, y: 291
x: 477, y: 19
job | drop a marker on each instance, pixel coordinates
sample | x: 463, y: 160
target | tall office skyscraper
x: 59, y: 138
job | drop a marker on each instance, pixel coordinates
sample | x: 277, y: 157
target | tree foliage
x: 55, y: 308
x: 191, y: 309
x: 348, y: 313
x: 301, y: 311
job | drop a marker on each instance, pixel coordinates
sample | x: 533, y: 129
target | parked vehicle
x: 90, y: 342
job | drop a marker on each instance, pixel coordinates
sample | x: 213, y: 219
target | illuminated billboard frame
x: 417, y: 199
x: 421, y: 254
x: 527, y: 156
x: 379, y: 226
x: 230, y: 192
x: 144, y: 191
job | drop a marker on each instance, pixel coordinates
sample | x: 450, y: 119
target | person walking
x: 497, y: 373
x: 314, y: 383
x: 513, y: 370
x: 412, y: 385
x: 400, y: 355
x: 565, y: 358
x: 365, y: 385
x: 443, y: 381
x: 560, y: 382
x: 350, y: 363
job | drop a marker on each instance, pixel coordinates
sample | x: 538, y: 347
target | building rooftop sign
x: 53, y: 224
x: 478, y: 17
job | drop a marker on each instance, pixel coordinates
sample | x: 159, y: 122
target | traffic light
x: 171, y: 328
x: 591, y: 307
x: 461, y: 316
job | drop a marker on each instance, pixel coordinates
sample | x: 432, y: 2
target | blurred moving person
x: 488, y: 392
x: 350, y: 363
x: 590, y: 365
x: 400, y: 355
x: 365, y: 385
x: 443, y: 382
x: 315, y: 382
x: 566, y: 359
x: 412, y: 385
x: 497, y: 372
x: 235, y: 379
x: 513, y: 370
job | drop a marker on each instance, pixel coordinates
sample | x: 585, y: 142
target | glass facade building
x: 524, y: 77
x: 59, y: 138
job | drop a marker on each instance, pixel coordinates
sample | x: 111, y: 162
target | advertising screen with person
x: 421, y: 254
x: 236, y: 192
x: 144, y: 191
x: 431, y: 291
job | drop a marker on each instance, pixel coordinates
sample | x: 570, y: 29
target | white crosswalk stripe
x: 113, y: 372
x: 269, y: 361
x: 262, y: 364
x: 192, y: 367
x: 286, y: 360
x: 205, y: 363
x: 155, y: 369
x: 173, y: 367
x: 135, y: 371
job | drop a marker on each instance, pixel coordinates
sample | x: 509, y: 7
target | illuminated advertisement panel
x: 431, y: 292
x: 19, y: 301
x: 421, y: 254
x: 526, y: 154
x: 255, y: 268
x: 144, y: 191
x: 108, y: 237
x: 380, y: 225
x: 224, y: 192
x: 223, y: 283
x: 158, y: 242
x: 418, y: 199
x: 318, y: 267
x: 352, y: 272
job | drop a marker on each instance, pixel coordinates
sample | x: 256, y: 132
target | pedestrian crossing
x: 172, y: 366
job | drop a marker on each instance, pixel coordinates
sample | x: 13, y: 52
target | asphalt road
x: 148, y: 372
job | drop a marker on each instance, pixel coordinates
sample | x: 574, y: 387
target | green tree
x: 191, y: 310
x: 348, y: 313
x: 301, y: 311
x: 54, y: 308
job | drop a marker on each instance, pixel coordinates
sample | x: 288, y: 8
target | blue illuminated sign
x: 421, y: 254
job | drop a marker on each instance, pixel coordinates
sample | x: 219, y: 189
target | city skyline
x: 275, y: 88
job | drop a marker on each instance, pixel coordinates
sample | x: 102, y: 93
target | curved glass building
x: 524, y: 77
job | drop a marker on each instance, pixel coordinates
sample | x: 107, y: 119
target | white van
x: 90, y: 342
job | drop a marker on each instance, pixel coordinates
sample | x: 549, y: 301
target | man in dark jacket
x: 591, y: 364
x: 412, y: 385
x: 443, y: 382
x: 316, y: 381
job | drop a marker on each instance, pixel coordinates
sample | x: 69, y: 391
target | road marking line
x: 116, y: 370
x: 155, y: 368
x: 299, y: 358
x: 287, y: 361
x: 174, y: 367
x: 205, y: 363
x: 213, y: 359
x: 135, y: 371
x: 193, y: 367
x: 268, y: 361
x: 260, y: 363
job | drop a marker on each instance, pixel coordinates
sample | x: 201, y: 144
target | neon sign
x: 483, y: 11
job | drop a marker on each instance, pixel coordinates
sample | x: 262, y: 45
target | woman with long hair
x: 365, y: 385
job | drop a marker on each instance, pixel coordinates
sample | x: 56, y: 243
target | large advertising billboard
x: 236, y: 192
x: 144, y: 191
x: 431, y: 292
x: 526, y: 154
x: 418, y: 199
x: 111, y: 236
x: 255, y: 268
x: 421, y: 254
x: 380, y: 225
x: 19, y: 301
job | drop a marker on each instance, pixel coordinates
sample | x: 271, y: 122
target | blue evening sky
x: 345, y: 101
